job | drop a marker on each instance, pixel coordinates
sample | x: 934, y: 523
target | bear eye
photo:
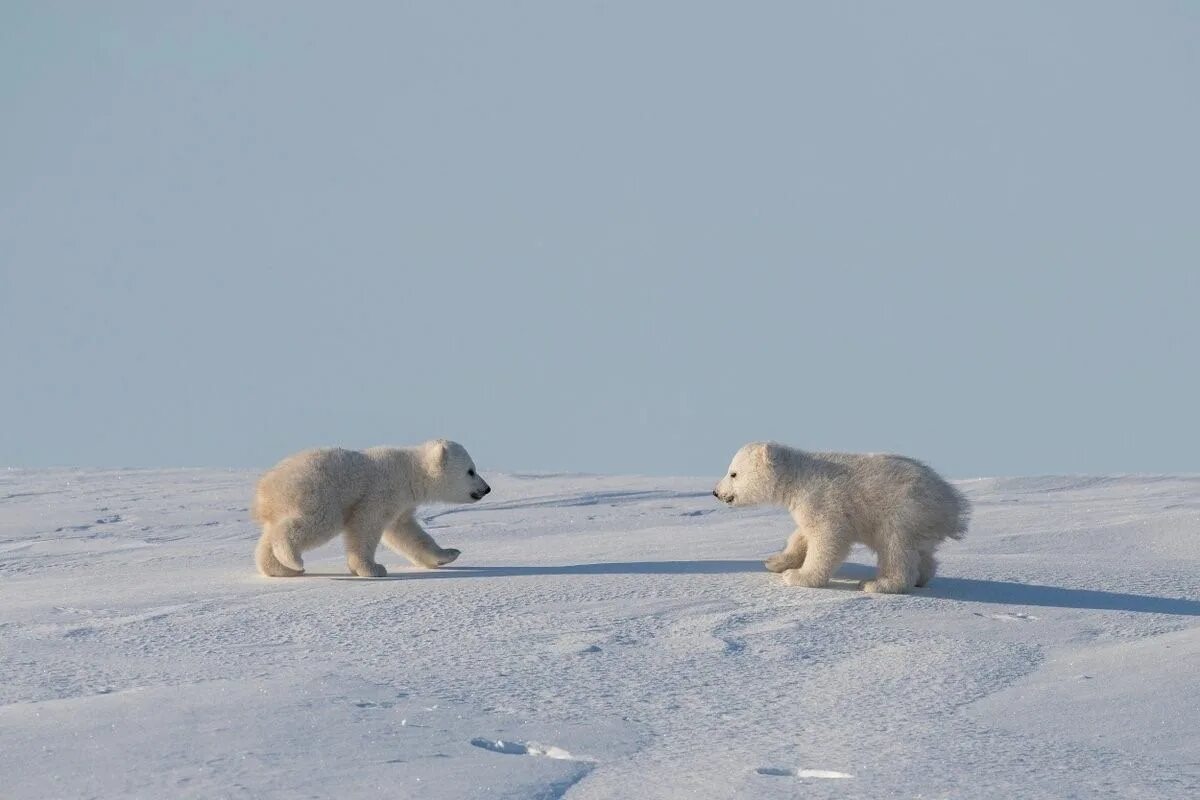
x: 733, y: 474
x: 471, y: 472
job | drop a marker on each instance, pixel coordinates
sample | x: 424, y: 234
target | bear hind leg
x: 275, y: 556
x: 899, y: 564
x: 926, y: 568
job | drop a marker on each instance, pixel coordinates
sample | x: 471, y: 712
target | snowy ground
x: 601, y: 637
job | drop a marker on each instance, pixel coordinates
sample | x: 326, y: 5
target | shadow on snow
x: 970, y: 590
x: 1012, y: 593
x: 600, y: 568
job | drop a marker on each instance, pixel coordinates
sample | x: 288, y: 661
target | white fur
x: 308, y: 498
x: 896, y: 506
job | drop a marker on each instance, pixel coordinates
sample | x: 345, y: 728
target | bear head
x: 452, y: 474
x: 752, y: 475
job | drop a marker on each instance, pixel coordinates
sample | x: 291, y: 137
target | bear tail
x: 962, y: 514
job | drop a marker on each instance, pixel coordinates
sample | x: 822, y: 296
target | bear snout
x: 479, y: 495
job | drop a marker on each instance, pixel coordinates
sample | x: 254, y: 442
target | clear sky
x: 601, y: 236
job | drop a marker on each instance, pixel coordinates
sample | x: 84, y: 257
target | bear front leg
x: 409, y: 539
x: 792, y: 555
x: 827, y: 549
x: 362, y: 538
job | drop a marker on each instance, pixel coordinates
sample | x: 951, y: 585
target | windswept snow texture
x: 599, y: 638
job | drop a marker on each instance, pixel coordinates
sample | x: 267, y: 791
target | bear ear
x: 768, y: 454
x: 438, y: 451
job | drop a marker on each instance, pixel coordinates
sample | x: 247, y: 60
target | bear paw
x: 884, y: 586
x: 447, y: 555
x: 798, y: 577
x: 782, y: 562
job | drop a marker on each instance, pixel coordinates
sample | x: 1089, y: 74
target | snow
x: 600, y: 637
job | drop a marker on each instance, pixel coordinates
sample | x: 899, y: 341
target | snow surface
x: 601, y: 637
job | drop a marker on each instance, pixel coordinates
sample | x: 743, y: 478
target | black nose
x: 487, y: 490
x: 715, y: 493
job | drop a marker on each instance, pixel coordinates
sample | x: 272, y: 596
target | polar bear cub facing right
x: 896, y: 506
x: 308, y: 498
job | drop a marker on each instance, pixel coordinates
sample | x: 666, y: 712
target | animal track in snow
x: 1010, y: 617
x: 522, y: 748
x: 106, y: 520
x: 786, y: 772
x: 96, y: 621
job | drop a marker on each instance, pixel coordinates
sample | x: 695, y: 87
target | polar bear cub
x: 896, y: 506
x: 306, y: 499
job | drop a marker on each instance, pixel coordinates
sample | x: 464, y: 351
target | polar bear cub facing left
x: 308, y: 498
x: 896, y: 506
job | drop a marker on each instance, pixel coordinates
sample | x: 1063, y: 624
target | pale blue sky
x: 601, y: 236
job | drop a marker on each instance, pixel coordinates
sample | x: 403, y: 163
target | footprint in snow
x: 785, y: 772
x: 521, y: 748
x: 369, y: 704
